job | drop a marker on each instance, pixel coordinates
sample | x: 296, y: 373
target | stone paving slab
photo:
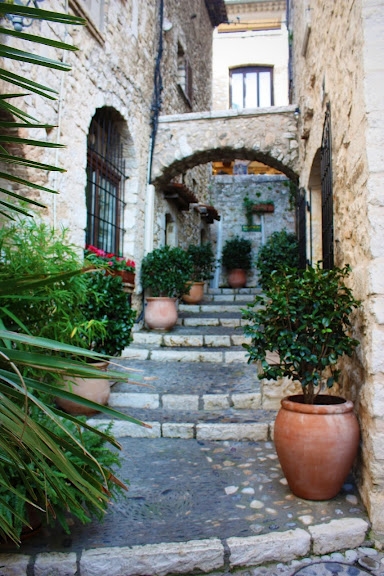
x: 187, y: 378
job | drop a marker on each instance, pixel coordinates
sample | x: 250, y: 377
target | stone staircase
x: 208, y: 332
x: 196, y: 383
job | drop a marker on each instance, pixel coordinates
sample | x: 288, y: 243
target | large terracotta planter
x: 316, y: 444
x: 196, y: 293
x: 95, y: 389
x: 237, y: 278
x: 160, y: 313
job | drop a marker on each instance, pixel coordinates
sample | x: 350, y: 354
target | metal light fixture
x: 20, y: 22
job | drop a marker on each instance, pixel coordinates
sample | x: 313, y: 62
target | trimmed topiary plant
x: 281, y: 250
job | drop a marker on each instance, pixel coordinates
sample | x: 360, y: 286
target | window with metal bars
x: 251, y: 87
x: 105, y: 182
x: 301, y: 223
x: 184, y: 75
x: 327, y: 192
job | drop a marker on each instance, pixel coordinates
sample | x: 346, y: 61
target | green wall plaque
x: 253, y: 228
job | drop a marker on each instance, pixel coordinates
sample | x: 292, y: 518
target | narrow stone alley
x: 206, y: 491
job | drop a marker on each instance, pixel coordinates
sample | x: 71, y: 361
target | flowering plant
x: 101, y: 258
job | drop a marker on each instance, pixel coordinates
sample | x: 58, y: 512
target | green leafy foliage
x: 237, y: 253
x: 281, y: 250
x: 165, y: 271
x: 47, y: 460
x: 203, y: 260
x: 107, y: 303
x: 51, y: 310
x: 52, y: 485
x: 13, y: 115
x: 305, y: 318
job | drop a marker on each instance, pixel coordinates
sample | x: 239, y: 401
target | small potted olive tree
x: 304, y: 318
x: 203, y: 261
x: 164, y: 273
x: 237, y: 259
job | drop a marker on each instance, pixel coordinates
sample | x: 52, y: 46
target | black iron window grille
x: 105, y: 183
x: 327, y: 192
x: 301, y: 219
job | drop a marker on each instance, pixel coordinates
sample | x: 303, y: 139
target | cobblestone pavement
x: 184, y: 490
x: 200, y: 504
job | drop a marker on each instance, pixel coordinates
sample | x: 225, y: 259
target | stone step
x: 234, y: 291
x: 227, y: 298
x: 207, y: 308
x: 174, y: 378
x: 190, y: 336
x: 220, y: 425
x: 185, y: 402
x: 227, y: 355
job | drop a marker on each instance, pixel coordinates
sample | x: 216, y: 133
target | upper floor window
x: 105, y: 182
x: 251, y: 87
x: 184, y: 74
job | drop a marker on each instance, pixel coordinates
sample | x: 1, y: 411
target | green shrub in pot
x: 203, y: 260
x: 304, y: 318
x: 165, y: 271
x: 237, y: 253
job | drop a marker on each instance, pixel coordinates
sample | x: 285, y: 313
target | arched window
x: 105, y: 182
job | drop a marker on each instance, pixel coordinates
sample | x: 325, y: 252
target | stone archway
x: 268, y: 135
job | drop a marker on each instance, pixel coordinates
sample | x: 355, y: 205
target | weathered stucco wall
x: 341, y: 64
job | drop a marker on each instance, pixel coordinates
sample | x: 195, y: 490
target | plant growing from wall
x: 281, y: 250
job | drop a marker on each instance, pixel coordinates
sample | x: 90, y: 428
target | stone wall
x: 115, y: 67
x: 227, y: 194
x: 337, y: 48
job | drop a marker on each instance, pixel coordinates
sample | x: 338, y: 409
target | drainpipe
x: 155, y: 112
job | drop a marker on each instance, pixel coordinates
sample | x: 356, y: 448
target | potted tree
x: 304, y: 318
x: 237, y: 259
x: 203, y: 261
x: 164, y: 273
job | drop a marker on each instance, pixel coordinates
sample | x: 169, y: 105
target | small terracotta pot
x: 95, y: 389
x: 127, y: 277
x: 316, y: 444
x: 160, y: 313
x: 196, y: 293
x: 237, y: 278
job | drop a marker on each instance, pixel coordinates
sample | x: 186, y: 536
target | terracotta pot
x: 127, y: 277
x: 196, y: 293
x: 316, y: 444
x: 237, y: 278
x: 95, y: 389
x: 160, y: 313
